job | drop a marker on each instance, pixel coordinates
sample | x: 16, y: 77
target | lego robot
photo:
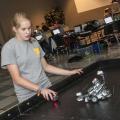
x: 97, y: 91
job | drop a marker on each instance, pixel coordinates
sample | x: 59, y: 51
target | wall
x: 73, y: 17
x: 34, y: 8
x: 86, y: 5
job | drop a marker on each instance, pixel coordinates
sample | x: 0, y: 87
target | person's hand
x: 48, y: 94
x: 76, y: 71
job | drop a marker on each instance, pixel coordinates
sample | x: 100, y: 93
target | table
x: 69, y: 108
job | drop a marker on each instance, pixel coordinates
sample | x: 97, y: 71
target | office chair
x: 109, y: 35
x: 59, y: 40
x: 116, y: 27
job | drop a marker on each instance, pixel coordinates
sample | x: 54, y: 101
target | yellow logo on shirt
x: 37, y: 51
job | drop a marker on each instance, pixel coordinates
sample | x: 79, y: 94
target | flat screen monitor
x: 56, y: 31
x: 83, y: 27
x: 77, y: 29
x: 39, y: 37
x: 108, y: 20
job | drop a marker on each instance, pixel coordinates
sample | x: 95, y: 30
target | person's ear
x: 14, y: 29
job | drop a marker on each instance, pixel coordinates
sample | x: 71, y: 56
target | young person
x: 24, y: 59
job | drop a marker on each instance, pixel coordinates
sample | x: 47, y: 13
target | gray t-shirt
x: 27, y: 56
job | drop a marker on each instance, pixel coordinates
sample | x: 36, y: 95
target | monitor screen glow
x: 108, y: 20
x: 56, y: 31
x: 77, y: 29
x: 83, y: 27
x: 39, y: 37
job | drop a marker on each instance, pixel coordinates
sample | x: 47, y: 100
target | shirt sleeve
x: 42, y: 53
x: 7, y: 56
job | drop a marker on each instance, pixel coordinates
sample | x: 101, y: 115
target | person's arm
x: 18, y: 79
x: 56, y: 70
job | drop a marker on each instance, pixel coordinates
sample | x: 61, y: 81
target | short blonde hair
x: 18, y: 17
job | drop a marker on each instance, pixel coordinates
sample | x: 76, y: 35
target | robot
x: 97, y: 91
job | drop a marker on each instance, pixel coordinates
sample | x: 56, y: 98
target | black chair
x: 116, y: 26
x: 59, y: 40
x: 108, y: 29
x: 109, y: 34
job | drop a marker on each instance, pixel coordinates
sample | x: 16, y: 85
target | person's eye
x: 23, y: 29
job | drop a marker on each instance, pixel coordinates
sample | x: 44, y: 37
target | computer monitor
x: 56, y: 31
x: 39, y: 37
x: 83, y: 27
x: 108, y: 20
x: 77, y: 29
